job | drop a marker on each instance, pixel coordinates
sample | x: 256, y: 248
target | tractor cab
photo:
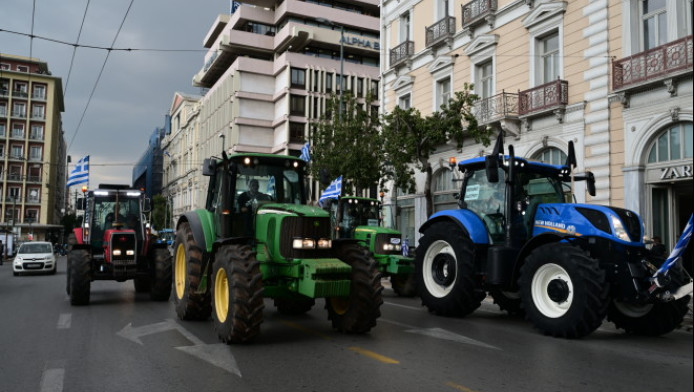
x: 348, y: 213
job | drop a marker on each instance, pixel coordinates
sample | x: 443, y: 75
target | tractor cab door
x: 486, y: 199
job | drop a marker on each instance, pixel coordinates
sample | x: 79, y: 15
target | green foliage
x: 159, y: 211
x: 347, y: 144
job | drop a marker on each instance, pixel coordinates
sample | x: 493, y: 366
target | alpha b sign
x: 364, y: 43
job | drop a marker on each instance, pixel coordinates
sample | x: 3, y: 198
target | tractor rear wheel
x: 648, y: 319
x: 404, y: 285
x: 563, y: 290
x: 358, y: 312
x: 79, y: 276
x: 161, y: 275
x: 444, y: 268
x: 237, y: 294
x: 190, y: 305
x: 294, y: 306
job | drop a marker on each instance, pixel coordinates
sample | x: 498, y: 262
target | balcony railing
x: 18, y: 114
x: 401, y: 53
x: 549, y: 96
x: 20, y: 94
x: 653, y: 65
x: 498, y: 107
x: 477, y: 11
x: 440, y: 31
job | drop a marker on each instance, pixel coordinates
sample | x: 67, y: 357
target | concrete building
x: 148, y: 170
x: 543, y: 70
x: 32, y: 149
x: 182, y: 178
x: 272, y: 65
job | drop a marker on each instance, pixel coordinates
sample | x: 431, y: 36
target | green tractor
x: 360, y: 218
x: 257, y: 238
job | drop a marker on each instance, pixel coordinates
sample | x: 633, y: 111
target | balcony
x: 653, y: 66
x: 549, y: 97
x: 499, y: 107
x: 20, y: 94
x: 441, y: 31
x: 19, y: 114
x: 478, y: 12
x: 401, y: 53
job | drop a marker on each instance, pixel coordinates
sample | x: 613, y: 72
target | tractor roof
x: 523, y: 163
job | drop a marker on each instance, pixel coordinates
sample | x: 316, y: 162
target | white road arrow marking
x: 215, y: 354
x: 440, y: 334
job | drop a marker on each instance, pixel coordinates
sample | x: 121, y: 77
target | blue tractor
x: 519, y: 237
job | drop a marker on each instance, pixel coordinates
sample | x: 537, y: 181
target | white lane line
x: 402, y: 306
x: 64, y: 320
x: 52, y: 380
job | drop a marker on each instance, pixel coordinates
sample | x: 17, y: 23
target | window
x: 404, y: 102
x: 17, y: 152
x: 551, y: 155
x: 328, y: 82
x: 296, y: 132
x: 35, y: 153
x: 485, y: 79
x: 316, y: 80
x: 654, y: 23
x: 17, y: 130
x: 443, y: 181
x: 297, y: 105
x: 549, y: 57
x: 405, y: 27
x: 298, y: 77
x: 19, y: 109
x: 374, y: 88
x: 360, y: 87
x: 38, y: 111
x: 22, y: 68
x: 674, y: 143
x: 3, y: 109
x: 443, y: 92
x: 3, y: 130
x: 39, y: 92
x: 36, y: 132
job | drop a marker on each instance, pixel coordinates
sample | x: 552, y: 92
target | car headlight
x: 619, y: 230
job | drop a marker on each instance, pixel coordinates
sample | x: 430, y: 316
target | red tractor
x: 115, y: 243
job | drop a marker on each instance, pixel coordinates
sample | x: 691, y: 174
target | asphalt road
x: 123, y: 341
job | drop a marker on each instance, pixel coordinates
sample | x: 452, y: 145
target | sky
x: 135, y: 89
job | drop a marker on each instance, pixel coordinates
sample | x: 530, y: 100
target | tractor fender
x: 202, y: 224
x: 231, y: 241
x: 465, y: 219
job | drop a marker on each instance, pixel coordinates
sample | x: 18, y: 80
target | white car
x: 34, y: 257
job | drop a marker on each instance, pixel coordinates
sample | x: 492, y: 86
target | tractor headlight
x: 392, y: 247
x: 116, y: 252
x: 303, y: 243
x: 619, y: 230
x: 325, y: 243
x: 130, y: 252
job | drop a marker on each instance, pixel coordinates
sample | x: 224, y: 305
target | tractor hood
x: 291, y: 209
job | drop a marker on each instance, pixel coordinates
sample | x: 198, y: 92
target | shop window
x: 674, y: 143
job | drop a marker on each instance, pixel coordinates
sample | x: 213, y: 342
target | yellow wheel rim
x: 221, y: 295
x: 180, y: 271
x: 340, y: 305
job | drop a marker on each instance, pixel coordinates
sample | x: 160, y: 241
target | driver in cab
x: 251, y: 196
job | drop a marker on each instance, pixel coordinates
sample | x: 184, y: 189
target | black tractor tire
x: 237, y: 294
x: 161, y: 275
x: 444, y: 269
x: 187, y: 275
x: 404, y: 285
x: 563, y: 290
x: 79, y: 276
x: 294, y: 306
x: 648, y: 319
x: 508, y: 301
x: 358, y: 312
x: 143, y: 284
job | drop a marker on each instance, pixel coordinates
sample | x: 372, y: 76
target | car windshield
x: 35, y: 248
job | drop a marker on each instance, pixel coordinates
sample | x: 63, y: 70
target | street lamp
x: 221, y: 135
x: 342, y: 57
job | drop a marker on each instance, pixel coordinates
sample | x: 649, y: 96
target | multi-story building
x: 542, y: 70
x: 32, y: 149
x: 147, y: 172
x: 272, y: 65
x: 182, y: 178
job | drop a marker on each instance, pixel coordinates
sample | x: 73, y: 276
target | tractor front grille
x: 382, y: 239
x: 303, y: 227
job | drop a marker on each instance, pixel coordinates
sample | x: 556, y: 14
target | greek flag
x: 405, y: 247
x: 679, y: 248
x: 333, y: 190
x: 271, y: 186
x: 80, y: 174
x: 305, y: 153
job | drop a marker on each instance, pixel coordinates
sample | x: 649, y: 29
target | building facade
x: 148, y: 170
x: 32, y: 149
x: 543, y: 71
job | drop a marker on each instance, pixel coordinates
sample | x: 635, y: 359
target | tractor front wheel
x: 161, y: 275
x: 237, y: 294
x: 190, y: 305
x: 563, y: 290
x: 79, y: 276
x: 358, y: 312
x: 444, y: 267
x: 648, y: 319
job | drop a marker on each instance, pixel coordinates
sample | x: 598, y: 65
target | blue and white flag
x: 679, y: 249
x: 80, y: 174
x: 333, y: 190
x: 305, y: 153
x: 271, y: 186
x: 406, y: 247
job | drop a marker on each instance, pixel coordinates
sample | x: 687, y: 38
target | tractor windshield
x: 109, y: 214
x: 267, y: 183
x: 359, y: 212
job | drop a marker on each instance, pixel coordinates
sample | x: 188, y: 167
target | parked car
x: 34, y: 257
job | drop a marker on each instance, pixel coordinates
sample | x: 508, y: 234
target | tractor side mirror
x: 208, y: 167
x: 590, y: 181
x: 491, y: 165
x: 147, y: 205
x: 80, y: 204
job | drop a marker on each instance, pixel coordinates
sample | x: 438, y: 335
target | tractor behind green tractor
x: 360, y: 218
x: 257, y: 238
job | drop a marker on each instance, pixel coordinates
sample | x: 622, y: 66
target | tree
x: 349, y: 145
x: 159, y: 210
x: 410, y: 139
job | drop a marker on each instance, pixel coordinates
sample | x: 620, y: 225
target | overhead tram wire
x: 74, y: 49
x: 101, y: 72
